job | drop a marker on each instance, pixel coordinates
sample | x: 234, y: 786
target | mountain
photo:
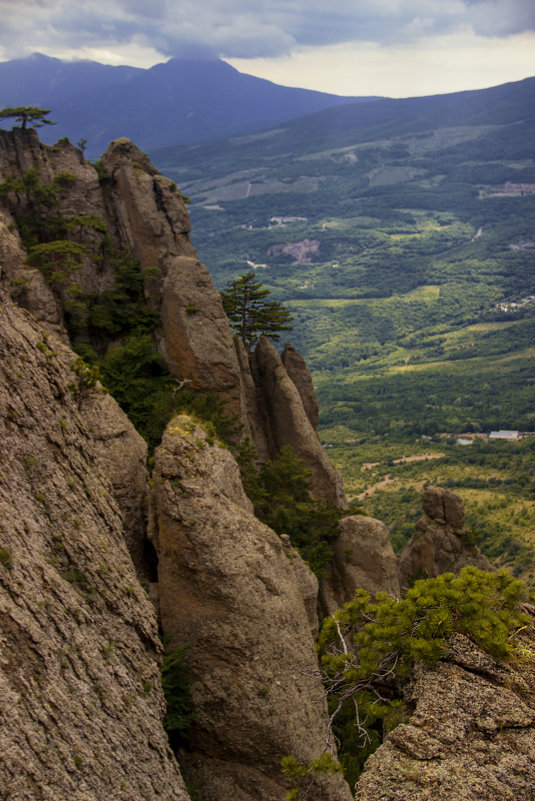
x: 103, y: 549
x: 400, y: 235
x: 389, y: 228
x: 172, y: 103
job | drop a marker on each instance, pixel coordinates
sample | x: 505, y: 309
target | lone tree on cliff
x: 28, y: 115
x: 250, y: 314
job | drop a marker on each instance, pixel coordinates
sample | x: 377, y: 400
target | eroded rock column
x: 228, y: 588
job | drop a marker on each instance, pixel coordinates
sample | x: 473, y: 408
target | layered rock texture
x: 440, y: 543
x: 471, y: 735
x: 81, y: 703
x: 127, y: 205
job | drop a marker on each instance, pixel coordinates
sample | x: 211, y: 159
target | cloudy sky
x: 355, y: 47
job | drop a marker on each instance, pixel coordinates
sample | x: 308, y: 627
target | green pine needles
x: 368, y: 640
x: 249, y: 312
x: 368, y: 648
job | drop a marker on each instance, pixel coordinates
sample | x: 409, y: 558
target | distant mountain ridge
x: 177, y: 102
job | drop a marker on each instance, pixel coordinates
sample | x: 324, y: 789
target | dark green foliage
x: 119, y: 310
x: 368, y: 648
x: 250, y: 314
x: 103, y: 175
x: 280, y: 491
x: 176, y: 682
x: 483, y: 606
x: 135, y: 374
x: 27, y: 115
x: 6, y: 557
x: 303, y: 776
x: 87, y: 376
x: 57, y: 260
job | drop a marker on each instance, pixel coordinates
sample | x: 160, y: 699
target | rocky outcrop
x: 471, y: 735
x: 307, y: 583
x: 363, y: 558
x: 228, y: 588
x: 440, y: 543
x: 75, y: 501
x: 121, y: 456
x: 81, y: 705
x: 197, y: 342
x: 299, y: 373
x: 288, y: 424
x: 127, y: 205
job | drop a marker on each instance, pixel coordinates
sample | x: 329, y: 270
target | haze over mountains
x: 169, y: 104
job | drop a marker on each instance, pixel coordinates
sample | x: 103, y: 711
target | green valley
x: 401, y: 236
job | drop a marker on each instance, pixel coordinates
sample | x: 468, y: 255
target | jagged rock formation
x: 143, y: 212
x: 85, y: 626
x: 80, y: 691
x: 362, y: 558
x: 471, y: 735
x: 299, y: 373
x: 80, y: 696
x: 228, y: 588
x: 440, y: 543
x: 121, y: 456
x: 287, y: 423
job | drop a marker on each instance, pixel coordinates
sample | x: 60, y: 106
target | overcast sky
x: 397, y: 48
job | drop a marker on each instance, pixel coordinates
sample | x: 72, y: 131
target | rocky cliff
x: 228, y: 587
x: 97, y: 557
x: 81, y: 701
x: 128, y: 206
x: 79, y: 635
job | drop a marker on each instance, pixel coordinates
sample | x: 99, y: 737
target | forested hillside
x: 401, y: 234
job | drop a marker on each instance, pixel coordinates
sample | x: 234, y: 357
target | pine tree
x: 250, y: 314
x: 28, y: 115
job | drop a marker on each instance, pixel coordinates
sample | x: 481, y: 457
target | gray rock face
x: 443, y: 506
x: 471, y: 736
x: 299, y: 373
x: 363, y: 558
x: 81, y: 705
x: 307, y: 584
x: 142, y: 212
x: 198, y: 344
x: 121, y: 456
x: 439, y: 543
x: 228, y: 588
x: 288, y: 423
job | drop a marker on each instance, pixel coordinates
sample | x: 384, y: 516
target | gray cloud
x: 232, y: 28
